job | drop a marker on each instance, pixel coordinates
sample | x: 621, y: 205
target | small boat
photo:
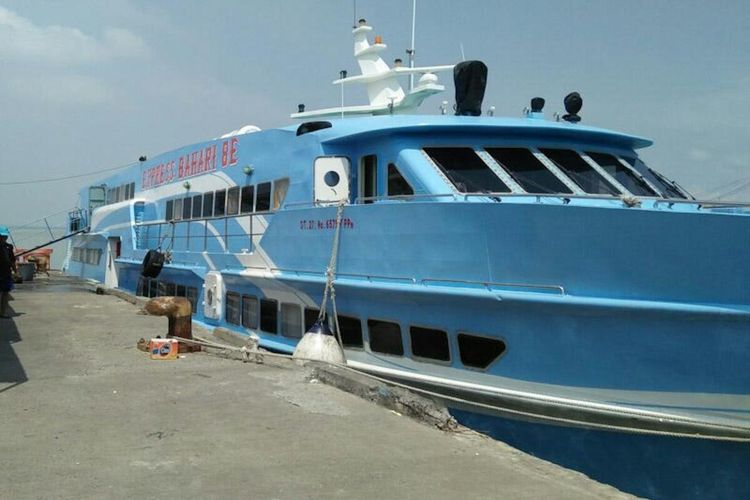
x: 534, y: 274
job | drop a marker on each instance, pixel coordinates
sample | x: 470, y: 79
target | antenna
x: 411, y: 50
x: 463, y: 56
x: 354, y: 16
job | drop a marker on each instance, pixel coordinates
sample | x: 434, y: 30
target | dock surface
x: 85, y: 414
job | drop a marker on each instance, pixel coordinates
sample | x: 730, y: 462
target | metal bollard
x: 179, y: 312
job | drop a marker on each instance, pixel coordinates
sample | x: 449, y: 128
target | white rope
x: 331, y: 275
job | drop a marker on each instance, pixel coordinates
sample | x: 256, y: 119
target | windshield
x: 588, y: 179
x: 466, y: 170
x: 624, y: 175
x: 527, y: 171
x: 668, y: 188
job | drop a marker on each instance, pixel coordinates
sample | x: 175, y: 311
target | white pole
x: 411, y: 51
x: 342, y: 99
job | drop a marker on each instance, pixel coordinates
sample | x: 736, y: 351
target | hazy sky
x: 92, y: 84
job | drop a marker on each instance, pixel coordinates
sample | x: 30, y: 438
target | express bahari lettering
x: 193, y: 163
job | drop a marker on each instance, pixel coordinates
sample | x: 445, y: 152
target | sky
x: 87, y: 85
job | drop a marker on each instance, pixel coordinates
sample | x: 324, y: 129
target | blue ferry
x: 556, y: 291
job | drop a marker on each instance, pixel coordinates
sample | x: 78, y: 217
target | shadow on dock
x: 11, y: 369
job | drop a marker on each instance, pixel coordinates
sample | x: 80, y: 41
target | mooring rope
x: 330, y: 290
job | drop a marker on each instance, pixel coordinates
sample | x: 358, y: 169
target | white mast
x: 381, y: 81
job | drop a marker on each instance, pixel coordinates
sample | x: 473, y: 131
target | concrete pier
x: 85, y: 414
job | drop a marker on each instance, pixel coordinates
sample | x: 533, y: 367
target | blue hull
x: 570, y: 304
x: 652, y: 466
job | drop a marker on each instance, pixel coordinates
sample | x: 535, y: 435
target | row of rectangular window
x: 151, y: 287
x: 470, y: 174
x: 236, y: 200
x: 121, y: 193
x: 385, y: 336
x: 87, y: 255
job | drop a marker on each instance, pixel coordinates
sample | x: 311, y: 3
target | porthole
x: 331, y: 178
x: 479, y: 352
x: 429, y: 343
x: 351, y: 331
x: 385, y: 337
x: 269, y: 315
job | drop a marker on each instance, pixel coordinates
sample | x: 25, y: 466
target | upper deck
x: 351, y: 129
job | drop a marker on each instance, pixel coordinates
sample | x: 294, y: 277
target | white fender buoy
x: 319, y: 344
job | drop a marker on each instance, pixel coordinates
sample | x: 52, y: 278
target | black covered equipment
x: 470, y: 79
x: 152, y: 264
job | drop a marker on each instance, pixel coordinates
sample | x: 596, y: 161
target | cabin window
x: 192, y: 295
x: 368, y: 178
x: 528, y: 171
x: 187, y: 208
x: 233, y: 311
x: 170, y: 289
x: 622, y: 174
x: 429, y: 343
x: 280, y: 187
x: 197, y: 206
x: 248, y: 199
x: 583, y: 174
x: 250, y: 312
x: 132, y: 190
x: 180, y: 291
x: 168, y: 213
x: 291, y: 321
x: 263, y: 197
x: 668, y: 189
x: 397, y: 185
x: 220, y: 202
x: 177, y: 215
x: 385, y: 337
x: 311, y: 316
x: 466, y: 170
x: 269, y: 315
x: 479, y: 352
x: 351, y: 331
x: 208, y: 205
x: 233, y: 201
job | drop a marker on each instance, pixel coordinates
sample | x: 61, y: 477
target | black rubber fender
x: 152, y: 264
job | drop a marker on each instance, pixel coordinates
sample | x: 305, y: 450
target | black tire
x: 152, y: 264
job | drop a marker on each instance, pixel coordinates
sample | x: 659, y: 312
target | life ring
x: 152, y: 264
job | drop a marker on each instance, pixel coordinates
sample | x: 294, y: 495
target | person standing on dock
x: 7, y: 268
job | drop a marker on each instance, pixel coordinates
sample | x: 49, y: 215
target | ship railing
x: 224, y: 233
x: 488, y: 285
x: 564, y: 199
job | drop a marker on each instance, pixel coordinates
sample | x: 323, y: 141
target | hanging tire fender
x: 152, y: 264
